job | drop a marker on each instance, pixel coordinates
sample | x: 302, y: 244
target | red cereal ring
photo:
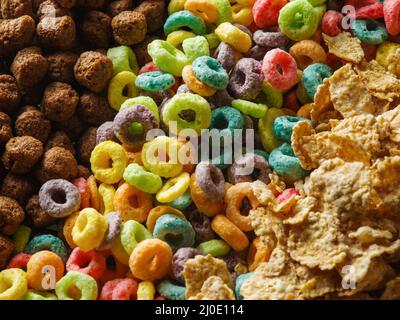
x: 287, y: 194
x: 84, y: 191
x: 119, y: 289
x: 333, y: 61
x: 148, y: 67
x: 114, y: 269
x: 391, y: 13
x: 266, y: 12
x: 331, y: 23
x: 367, y: 9
x: 91, y: 263
x: 19, y: 261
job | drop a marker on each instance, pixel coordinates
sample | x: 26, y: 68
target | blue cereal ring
x: 47, y: 242
x: 226, y: 118
x: 285, y: 163
x: 171, y: 291
x: 186, y: 19
x: 177, y: 232
x: 283, y: 127
x: 313, y: 76
x: 369, y: 31
x: 239, y: 282
x: 155, y: 81
x: 209, y: 71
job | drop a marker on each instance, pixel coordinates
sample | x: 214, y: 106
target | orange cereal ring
x: 67, y: 229
x: 157, y: 212
x: 258, y: 253
x: 39, y: 265
x: 234, y: 198
x: 151, y: 260
x: 195, y: 84
x: 229, y: 232
x: 131, y: 203
x: 203, y: 204
x: 205, y: 9
x: 307, y: 52
x: 95, y: 199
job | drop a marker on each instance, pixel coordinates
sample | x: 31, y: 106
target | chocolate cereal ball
x: 40, y: 217
x: 33, y: 122
x: 96, y: 30
x: 86, y: 145
x: 66, y: 3
x: 83, y: 172
x: 10, y: 95
x: 11, y: 215
x: 60, y: 139
x: 6, y: 249
x: 59, y: 101
x: 50, y: 8
x: 154, y: 11
x: 91, y: 4
x: 129, y: 27
x: 94, y: 109
x: 21, y: 154
x: 61, y: 66
x: 5, y: 128
x: 29, y: 67
x: 18, y: 187
x: 116, y: 7
x: 56, y: 33
x: 141, y: 53
x: 73, y: 127
x: 15, y: 34
x: 11, y: 9
x: 93, y: 70
x: 57, y: 163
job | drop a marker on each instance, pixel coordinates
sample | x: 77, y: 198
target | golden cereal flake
x: 199, y: 269
x: 267, y: 226
x: 301, y: 210
x: 349, y: 94
x: 392, y: 290
x: 392, y: 142
x: 313, y: 148
x: 214, y: 288
x: 322, y: 101
x: 345, y: 46
x: 366, y: 234
x: 394, y: 63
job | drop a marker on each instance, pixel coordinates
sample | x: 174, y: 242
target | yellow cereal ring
x: 195, y: 84
x: 157, y: 212
x: 229, y: 232
x: 67, y: 229
x: 266, y: 132
x: 107, y: 193
x: 146, y: 290
x: 119, y: 252
x: 242, y: 14
x: 173, y: 188
x: 176, y: 38
x: 95, y: 200
x: 233, y: 36
x: 205, y: 9
x: 384, y: 51
x: 13, y: 284
x: 121, y: 82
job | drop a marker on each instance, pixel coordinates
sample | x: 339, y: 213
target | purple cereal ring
x: 114, y: 228
x: 105, y: 132
x: 270, y: 39
x: 59, y: 198
x: 179, y: 260
x: 225, y: 54
x: 260, y: 169
x: 126, y: 117
x: 211, y: 180
x: 257, y: 52
x: 244, y: 29
x: 201, y: 225
x: 183, y: 88
x: 220, y: 98
x: 246, y: 79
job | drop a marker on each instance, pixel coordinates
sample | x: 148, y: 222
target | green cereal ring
x: 224, y: 11
x: 209, y: 71
x: 171, y: 291
x: 274, y: 98
x: 47, y: 242
x: 195, y: 47
x: 239, y: 282
x: 319, y: 10
x: 181, y: 203
x: 213, y: 40
x: 144, y: 101
x: 302, y: 95
x: 283, y: 127
x: 133, y: 232
x: 285, y: 163
x: 226, y: 118
x: 154, y: 81
x: 187, y: 101
x: 215, y: 247
x: 262, y: 153
x: 313, y: 76
x: 256, y: 110
x: 167, y: 57
x: 184, y: 19
x: 38, y: 295
x: 123, y: 59
x: 369, y: 31
x: 85, y: 283
x: 265, y: 129
x: 141, y: 179
x: 298, y: 20
x: 21, y: 238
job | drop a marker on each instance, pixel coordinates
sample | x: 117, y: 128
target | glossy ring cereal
x: 154, y: 81
x: 86, y: 285
x: 114, y: 229
x: 173, y: 188
x: 307, y: 52
x: 141, y: 179
x: 233, y: 36
x: 91, y: 263
x: 47, y: 242
x: 186, y: 19
x: 121, y: 88
x: 194, y: 84
x: 232, y: 235
x: 13, y: 284
x: 209, y: 71
x: 41, y: 266
x: 133, y: 233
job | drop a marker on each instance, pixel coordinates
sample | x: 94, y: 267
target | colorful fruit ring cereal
x: 86, y: 285
x: 89, y: 229
x: 211, y: 180
x: 119, y: 289
x: 369, y: 31
x: 67, y: 229
x: 47, y: 242
x: 270, y: 39
x: 283, y: 127
x: 84, y: 191
x: 265, y: 126
x: 391, y: 12
x: 151, y: 260
x: 146, y: 290
x: 91, y: 263
x: 331, y: 23
x: 13, y: 284
x: 132, y: 203
x: 181, y: 256
x: 175, y: 231
x: 194, y: 84
x: 384, y: 51
x: 100, y: 161
x: 258, y: 253
x: 206, y: 10
x: 106, y: 193
x: 133, y: 233
x: 225, y: 54
x: 201, y: 225
x: 59, y: 198
x: 173, y: 188
x: 209, y: 71
x: 307, y: 52
x: 215, y: 247
x: 123, y: 59
x: 233, y: 36
x: 39, y: 265
x: 181, y: 203
x: 141, y: 179
x: 242, y: 14
x: 114, y: 268
x: 177, y: 37
x: 114, y: 229
x: 195, y: 47
x: 157, y: 212
x: 246, y: 79
x: 148, y: 102
x: 171, y: 291
x: 154, y: 81
x: 186, y: 19
x: 232, y: 235
x: 119, y: 252
x: 313, y: 76
x: 274, y: 98
x: 38, y: 295
x: 105, y: 132
x: 226, y: 119
x: 266, y: 12
x: 19, y: 261
x: 255, y: 110
x: 248, y: 168
x: 121, y: 88
x: 234, y: 198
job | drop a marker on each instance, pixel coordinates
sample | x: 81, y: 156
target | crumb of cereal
x: 345, y: 46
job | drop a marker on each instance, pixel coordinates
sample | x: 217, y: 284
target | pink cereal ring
x: 280, y: 69
x: 266, y: 12
x: 19, y: 261
x: 331, y: 23
x: 91, y: 263
x: 119, y: 289
x: 287, y: 194
x: 391, y: 13
x: 148, y: 67
x: 84, y: 191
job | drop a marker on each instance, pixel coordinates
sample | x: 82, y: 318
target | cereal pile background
x: 91, y: 208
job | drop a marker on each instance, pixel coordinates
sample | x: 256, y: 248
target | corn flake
x: 214, y: 288
x: 345, y: 46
